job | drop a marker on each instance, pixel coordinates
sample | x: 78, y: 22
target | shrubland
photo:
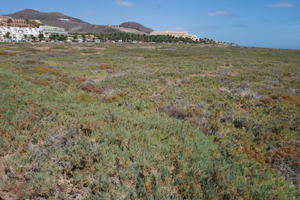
x: 180, y: 121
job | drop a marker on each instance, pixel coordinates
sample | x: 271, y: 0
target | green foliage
x: 41, y: 36
x: 57, y: 37
x: 87, y: 98
x: 7, y: 35
x: 131, y: 37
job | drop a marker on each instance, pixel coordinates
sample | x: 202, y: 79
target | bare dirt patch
x: 43, y: 48
x: 9, y: 53
x: 141, y: 47
x: 140, y: 58
x: 87, y: 47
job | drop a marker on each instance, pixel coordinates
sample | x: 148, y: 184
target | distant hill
x: 137, y: 26
x: 72, y: 24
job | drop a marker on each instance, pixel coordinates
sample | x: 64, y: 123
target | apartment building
x: 49, y: 30
x: 18, y: 33
x: 176, y: 34
x: 22, y: 29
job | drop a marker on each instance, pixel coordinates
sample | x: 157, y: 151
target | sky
x: 260, y: 23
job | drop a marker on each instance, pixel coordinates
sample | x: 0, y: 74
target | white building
x: 25, y: 33
x: 18, y: 33
x: 176, y: 34
x: 50, y: 30
x: 21, y: 29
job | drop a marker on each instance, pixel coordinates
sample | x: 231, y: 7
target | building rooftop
x: 5, y: 17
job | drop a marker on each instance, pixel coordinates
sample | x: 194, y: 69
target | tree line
x: 131, y: 37
x: 117, y: 36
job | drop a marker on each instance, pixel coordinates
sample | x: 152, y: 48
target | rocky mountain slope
x: 137, y: 26
x: 72, y: 24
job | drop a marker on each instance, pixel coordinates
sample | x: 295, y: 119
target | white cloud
x: 218, y: 13
x: 124, y: 3
x: 283, y: 4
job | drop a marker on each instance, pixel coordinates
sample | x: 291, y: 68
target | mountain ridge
x: 72, y: 24
x: 137, y: 26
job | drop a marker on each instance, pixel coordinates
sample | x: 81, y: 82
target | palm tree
x: 9, y: 21
x: 41, y: 36
x: 7, y: 35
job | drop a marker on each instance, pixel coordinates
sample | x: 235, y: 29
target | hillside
x: 148, y: 121
x: 137, y: 26
x: 72, y: 24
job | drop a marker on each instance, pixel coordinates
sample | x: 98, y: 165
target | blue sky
x: 262, y: 23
